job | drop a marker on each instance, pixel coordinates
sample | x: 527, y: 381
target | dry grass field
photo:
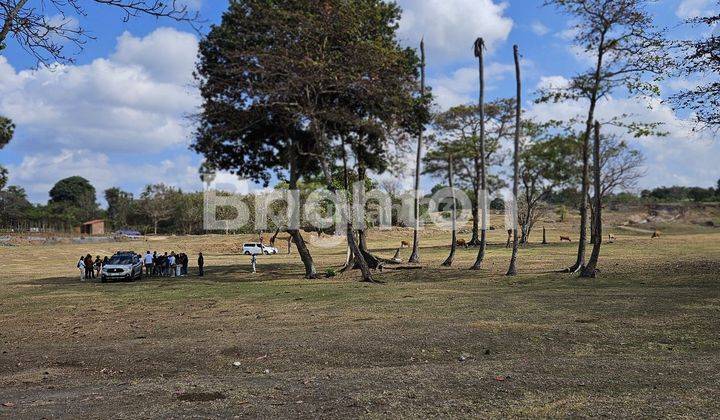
x: 641, y: 340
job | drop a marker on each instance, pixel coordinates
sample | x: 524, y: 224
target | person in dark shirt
x: 98, y: 266
x: 201, y: 265
x: 156, y: 263
x: 185, y: 261
x: 89, y: 272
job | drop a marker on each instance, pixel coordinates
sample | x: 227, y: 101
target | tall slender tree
x: 590, y: 270
x: 453, y: 214
x: 512, y: 269
x: 415, y: 255
x: 628, y: 52
x: 481, y: 197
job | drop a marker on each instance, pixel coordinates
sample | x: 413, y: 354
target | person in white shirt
x: 81, y: 267
x: 148, y: 259
x: 171, y: 264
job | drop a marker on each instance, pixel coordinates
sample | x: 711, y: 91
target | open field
x: 641, y: 340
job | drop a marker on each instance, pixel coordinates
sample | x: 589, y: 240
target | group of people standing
x: 153, y: 265
x: 172, y: 265
x: 90, y: 269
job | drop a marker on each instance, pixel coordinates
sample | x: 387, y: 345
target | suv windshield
x: 120, y: 260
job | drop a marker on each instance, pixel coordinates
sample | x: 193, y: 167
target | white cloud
x: 693, y: 8
x: 38, y: 172
x: 166, y: 54
x: 108, y: 119
x: 461, y: 86
x: 539, y: 29
x: 134, y: 101
x: 450, y: 27
x: 683, y: 157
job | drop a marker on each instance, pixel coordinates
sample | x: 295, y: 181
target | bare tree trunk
x: 590, y: 270
x: 372, y: 261
x: 448, y: 262
x: 482, y: 196
x: 475, y: 239
x: 415, y: 255
x: 305, y: 256
x: 544, y: 242
x: 358, y: 256
x: 512, y: 270
x: 580, y: 261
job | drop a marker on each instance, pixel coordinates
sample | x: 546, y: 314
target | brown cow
x: 656, y: 234
x: 462, y: 243
x: 565, y: 239
x: 404, y: 244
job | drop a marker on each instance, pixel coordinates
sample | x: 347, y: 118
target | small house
x: 93, y: 227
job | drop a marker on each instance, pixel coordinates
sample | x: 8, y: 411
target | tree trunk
x: 482, y: 196
x: 415, y: 255
x: 544, y: 242
x: 372, y: 261
x: 512, y: 269
x: 448, y: 262
x: 305, y: 256
x: 475, y: 239
x: 358, y: 256
x: 593, y: 237
x: 155, y: 225
x: 590, y: 271
x: 580, y: 261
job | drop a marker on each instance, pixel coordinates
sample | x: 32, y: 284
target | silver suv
x: 122, y: 266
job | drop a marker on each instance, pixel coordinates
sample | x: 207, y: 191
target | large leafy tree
x: 547, y: 161
x: 629, y: 55
x: 157, y: 202
x: 288, y: 84
x: 73, y: 200
x: 14, y: 207
x: 701, y: 58
x: 120, y: 205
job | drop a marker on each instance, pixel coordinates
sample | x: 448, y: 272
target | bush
x: 330, y: 273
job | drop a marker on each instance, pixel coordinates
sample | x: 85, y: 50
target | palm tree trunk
x: 512, y: 270
x: 448, y: 262
x: 415, y: 255
x: 482, y: 196
x: 590, y: 270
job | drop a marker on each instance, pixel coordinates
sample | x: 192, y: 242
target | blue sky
x: 118, y: 115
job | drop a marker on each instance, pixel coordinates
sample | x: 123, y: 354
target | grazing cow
x: 565, y: 239
x: 462, y: 243
x: 404, y: 244
x: 656, y: 234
